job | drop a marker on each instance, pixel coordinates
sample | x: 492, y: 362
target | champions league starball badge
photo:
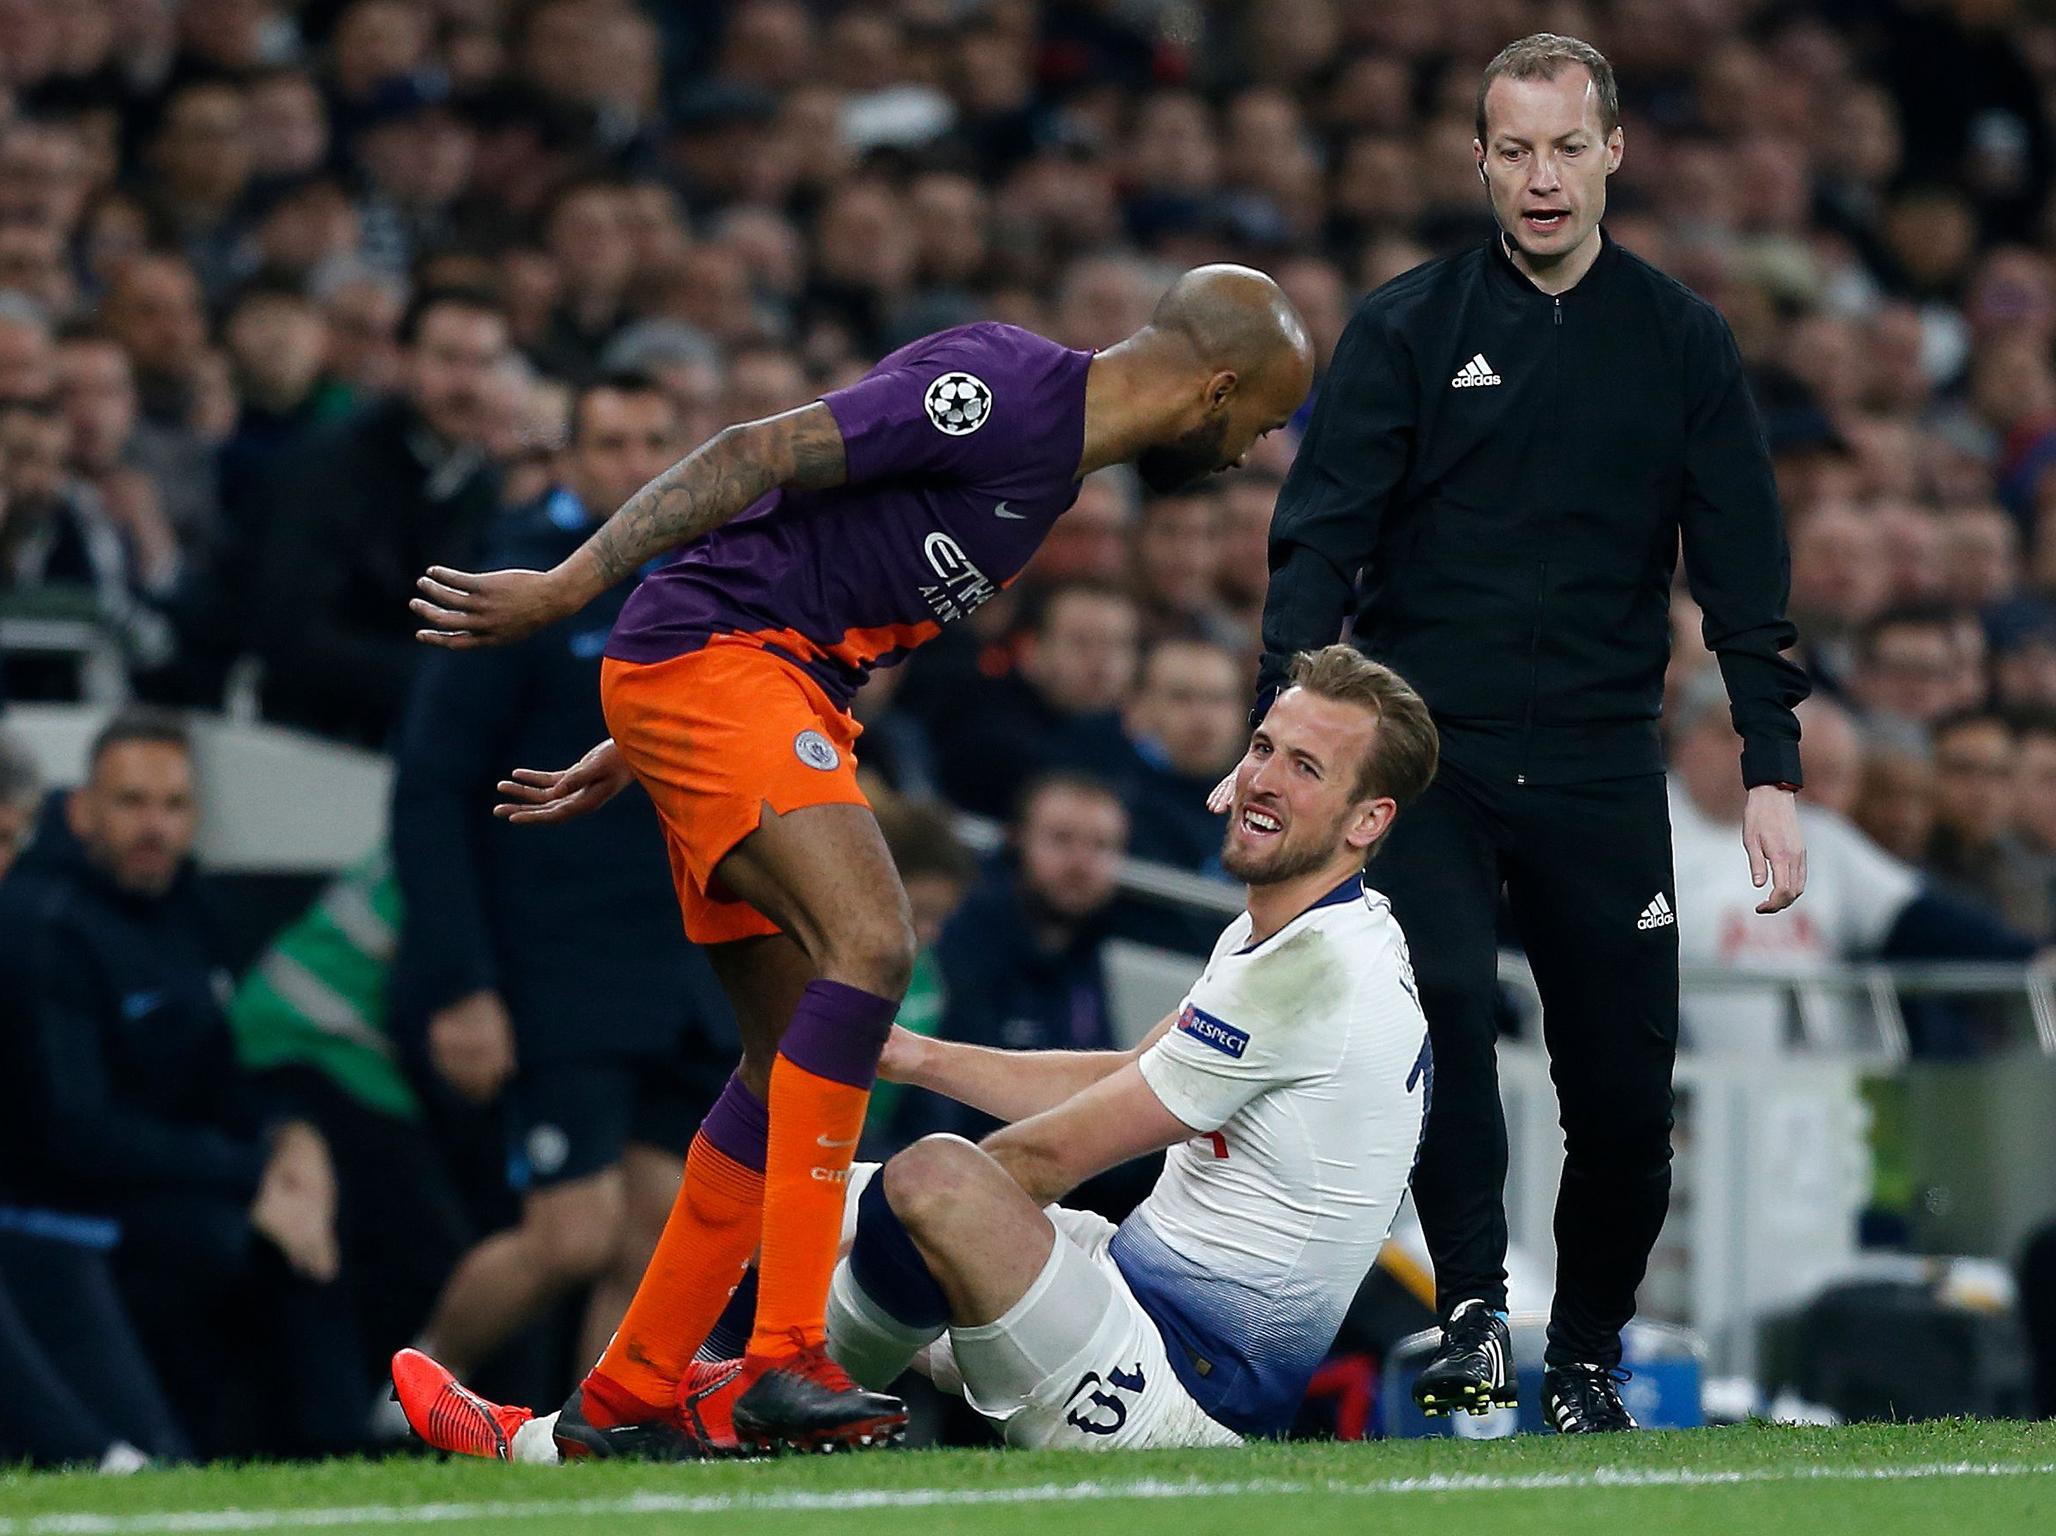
x: 958, y: 403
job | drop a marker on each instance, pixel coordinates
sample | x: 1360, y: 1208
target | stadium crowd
x: 298, y: 297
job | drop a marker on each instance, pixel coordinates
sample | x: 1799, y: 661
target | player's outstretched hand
x: 564, y: 794
x: 1223, y: 794
x: 461, y: 609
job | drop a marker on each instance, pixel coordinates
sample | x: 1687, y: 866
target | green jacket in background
x: 317, y: 996
x: 921, y: 1012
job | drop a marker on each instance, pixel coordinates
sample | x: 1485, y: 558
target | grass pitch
x: 1992, y: 1479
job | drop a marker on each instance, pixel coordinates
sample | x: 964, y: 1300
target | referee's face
x: 1545, y: 159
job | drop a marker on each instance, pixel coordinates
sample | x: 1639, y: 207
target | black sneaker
x: 1585, y: 1400
x: 1473, y: 1370
x: 658, y: 1440
x: 806, y: 1402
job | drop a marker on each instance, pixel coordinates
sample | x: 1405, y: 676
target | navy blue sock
x: 730, y: 1334
x: 889, y: 1267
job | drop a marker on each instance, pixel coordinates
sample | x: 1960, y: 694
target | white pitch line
x: 206, y: 1520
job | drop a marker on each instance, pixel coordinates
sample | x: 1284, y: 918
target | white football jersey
x: 1304, y: 1063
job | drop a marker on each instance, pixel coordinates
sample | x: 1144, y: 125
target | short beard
x: 1282, y: 863
x: 1185, y: 460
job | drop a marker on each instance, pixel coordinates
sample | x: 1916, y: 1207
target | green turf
x: 1956, y: 1479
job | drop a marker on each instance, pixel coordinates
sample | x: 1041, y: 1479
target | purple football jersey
x: 963, y: 449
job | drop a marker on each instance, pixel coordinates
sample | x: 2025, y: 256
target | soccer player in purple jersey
x: 820, y: 543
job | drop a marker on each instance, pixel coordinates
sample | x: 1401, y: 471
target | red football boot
x: 449, y: 1415
x: 706, y: 1405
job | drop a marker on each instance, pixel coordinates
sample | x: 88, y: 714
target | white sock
x: 536, y: 1442
x: 864, y: 1339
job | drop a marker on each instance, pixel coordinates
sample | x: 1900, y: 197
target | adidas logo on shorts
x: 1657, y: 914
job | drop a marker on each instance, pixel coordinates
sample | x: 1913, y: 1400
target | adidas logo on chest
x: 1657, y: 914
x: 1475, y: 374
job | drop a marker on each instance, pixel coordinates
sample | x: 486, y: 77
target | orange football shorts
x: 715, y: 736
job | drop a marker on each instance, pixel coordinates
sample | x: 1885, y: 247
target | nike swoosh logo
x: 1001, y: 510
x: 824, y: 1141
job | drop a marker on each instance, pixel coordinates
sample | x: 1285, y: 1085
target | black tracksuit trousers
x: 1580, y: 864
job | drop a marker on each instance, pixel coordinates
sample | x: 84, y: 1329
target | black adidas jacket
x: 1510, y: 473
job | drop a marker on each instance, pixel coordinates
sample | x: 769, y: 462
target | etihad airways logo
x: 961, y: 587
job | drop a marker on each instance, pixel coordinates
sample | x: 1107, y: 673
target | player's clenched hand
x: 562, y: 794
x: 900, y: 1060
x: 1776, y: 846
x: 460, y: 609
x: 471, y: 1044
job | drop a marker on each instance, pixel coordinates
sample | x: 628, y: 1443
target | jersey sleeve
x: 973, y: 405
x: 1206, y: 1068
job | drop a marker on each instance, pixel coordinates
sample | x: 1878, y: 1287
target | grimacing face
x: 1545, y: 159
x: 1295, y: 807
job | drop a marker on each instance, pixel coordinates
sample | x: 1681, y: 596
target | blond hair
x: 1405, y: 748
x: 1541, y: 57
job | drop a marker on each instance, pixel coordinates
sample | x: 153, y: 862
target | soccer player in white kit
x: 1290, y: 1088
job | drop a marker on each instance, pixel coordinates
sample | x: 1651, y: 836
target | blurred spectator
x: 364, y: 511
x: 200, y: 162
x: 1895, y: 801
x: 60, y: 540
x: 311, y: 1018
x: 1907, y: 674
x: 1020, y: 960
x: 546, y: 963
x: 1973, y: 849
x: 1057, y: 709
x: 1871, y: 905
x: 587, y: 235
x: 1178, y: 549
x: 154, y: 309
x: 1841, y: 580
x: 414, y: 153
x: 125, y: 1100
x: 1248, y: 498
x: 1188, y: 723
x: 364, y: 310
x: 286, y: 122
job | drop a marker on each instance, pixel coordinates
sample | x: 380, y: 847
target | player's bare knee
x: 873, y: 950
x: 930, y: 1180
x: 578, y: 1227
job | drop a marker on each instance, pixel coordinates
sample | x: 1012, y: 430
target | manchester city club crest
x: 958, y: 403
x: 816, y: 751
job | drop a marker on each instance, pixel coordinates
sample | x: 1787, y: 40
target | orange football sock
x: 707, y: 1243
x: 820, y: 1086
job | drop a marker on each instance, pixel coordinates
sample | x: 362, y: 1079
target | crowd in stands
x: 298, y: 297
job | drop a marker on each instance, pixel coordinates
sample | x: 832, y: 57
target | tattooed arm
x: 798, y: 450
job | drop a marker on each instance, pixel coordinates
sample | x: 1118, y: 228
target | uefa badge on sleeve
x: 958, y: 403
x: 816, y: 751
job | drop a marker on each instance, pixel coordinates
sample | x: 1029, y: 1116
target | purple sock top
x: 837, y: 1032
x: 738, y: 1126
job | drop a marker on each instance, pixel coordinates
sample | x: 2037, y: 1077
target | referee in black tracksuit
x: 1507, y: 449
